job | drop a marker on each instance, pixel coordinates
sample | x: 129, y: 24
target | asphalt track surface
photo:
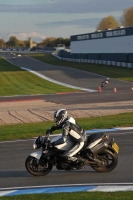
x: 14, y: 174
x: 13, y: 154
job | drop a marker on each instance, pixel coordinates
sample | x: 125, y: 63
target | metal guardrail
x: 100, y: 62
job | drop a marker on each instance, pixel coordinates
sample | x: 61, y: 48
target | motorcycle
x: 105, y: 83
x: 99, y: 152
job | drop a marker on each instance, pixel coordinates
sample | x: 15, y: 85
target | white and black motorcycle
x: 99, y: 152
x: 105, y: 82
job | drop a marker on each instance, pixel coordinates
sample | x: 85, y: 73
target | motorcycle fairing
x: 36, y: 154
x: 94, y: 139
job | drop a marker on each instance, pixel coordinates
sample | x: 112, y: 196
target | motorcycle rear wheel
x: 110, y: 160
x: 33, y: 167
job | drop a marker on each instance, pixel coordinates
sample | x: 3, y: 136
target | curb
x: 66, y: 188
x: 57, y: 82
x: 109, y: 129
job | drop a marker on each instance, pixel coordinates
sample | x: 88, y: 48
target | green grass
x: 23, y: 131
x: 16, y: 81
x: 75, y: 196
x: 105, y: 70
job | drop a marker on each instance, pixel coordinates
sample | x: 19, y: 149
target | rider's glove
x: 53, y: 128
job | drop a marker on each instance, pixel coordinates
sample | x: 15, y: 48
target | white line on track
x: 50, y: 79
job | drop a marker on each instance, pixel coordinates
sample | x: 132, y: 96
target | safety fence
x: 100, y: 62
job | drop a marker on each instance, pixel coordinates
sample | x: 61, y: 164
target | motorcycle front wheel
x: 33, y: 167
x: 109, y: 161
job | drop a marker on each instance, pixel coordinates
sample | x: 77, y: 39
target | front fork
x: 43, y: 160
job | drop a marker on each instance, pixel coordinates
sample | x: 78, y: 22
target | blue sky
x: 55, y: 18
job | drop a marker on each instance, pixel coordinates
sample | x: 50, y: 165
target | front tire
x: 110, y: 160
x: 33, y: 167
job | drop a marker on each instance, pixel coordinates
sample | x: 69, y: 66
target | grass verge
x: 16, y: 81
x: 105, y: 70
x: 24, y: 131
x: 75, y: 196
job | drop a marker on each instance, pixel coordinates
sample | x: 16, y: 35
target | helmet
x: 60, y: 116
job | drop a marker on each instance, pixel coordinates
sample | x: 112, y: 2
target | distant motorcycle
x: 105, y: 83
x: 99, y: 152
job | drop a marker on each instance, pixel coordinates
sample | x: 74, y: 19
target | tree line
x: 13, y: 42
x: 111, y: 23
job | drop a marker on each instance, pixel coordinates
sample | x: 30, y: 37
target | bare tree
x: 108, y: 22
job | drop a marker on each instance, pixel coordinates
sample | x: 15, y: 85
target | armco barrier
x: 103, y: 62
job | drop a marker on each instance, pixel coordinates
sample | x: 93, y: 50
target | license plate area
x: 115, y: 147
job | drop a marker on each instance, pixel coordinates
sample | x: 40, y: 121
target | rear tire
x: 33, y: 167
x: 110, y: 160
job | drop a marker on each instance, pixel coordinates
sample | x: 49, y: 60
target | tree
x: 21, y: 44
x: 26, y: 43
x: 108, y: 22
x: 53, y: 42
x: 67, y: 42
x: 49, y: 42
x: 127, y: 17
x: 13, y: 41
x: 2, y: 43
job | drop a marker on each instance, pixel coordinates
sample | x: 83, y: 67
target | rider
x: 105, y: 82
x: 71, y: 128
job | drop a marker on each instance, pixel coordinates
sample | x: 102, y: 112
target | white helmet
x: 60, y: 116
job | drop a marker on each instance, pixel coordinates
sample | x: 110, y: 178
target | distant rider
x: 105, y: 82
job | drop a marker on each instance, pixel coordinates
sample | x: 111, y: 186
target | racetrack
x: 13, y: 154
